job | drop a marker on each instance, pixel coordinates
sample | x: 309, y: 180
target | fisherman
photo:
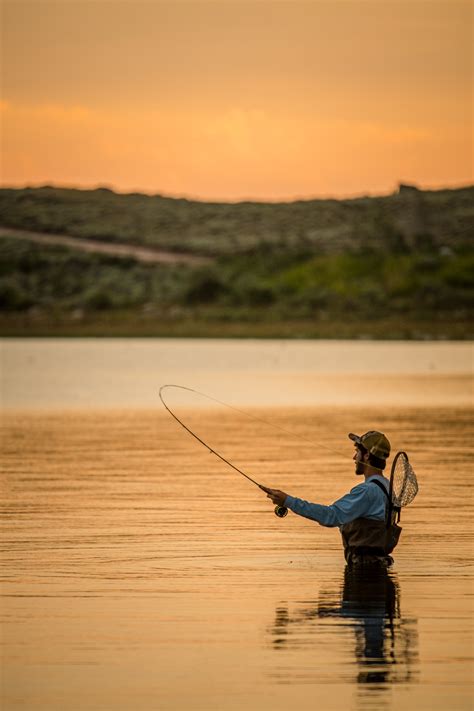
x: 361, y: 515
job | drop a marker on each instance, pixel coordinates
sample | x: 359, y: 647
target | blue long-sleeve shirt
x: 363, y: 501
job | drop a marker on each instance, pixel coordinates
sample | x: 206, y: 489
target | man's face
x: 359, y: 459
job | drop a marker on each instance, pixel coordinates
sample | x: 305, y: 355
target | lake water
x: 140, y: 573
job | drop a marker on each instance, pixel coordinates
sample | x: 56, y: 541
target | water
x: 141, y: 573
x: 127, y: 373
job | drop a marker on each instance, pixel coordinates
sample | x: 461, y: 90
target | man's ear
x: 365, y: 456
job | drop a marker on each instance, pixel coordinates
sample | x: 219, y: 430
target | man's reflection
x: 369, y: 600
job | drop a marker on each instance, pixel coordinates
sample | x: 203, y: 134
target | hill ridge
x: 409, y: 219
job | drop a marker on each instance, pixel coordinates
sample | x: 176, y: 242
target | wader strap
x: 391, y: 507
x: 381, y: 486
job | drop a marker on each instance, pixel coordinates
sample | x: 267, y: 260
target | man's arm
x: 351, y: 506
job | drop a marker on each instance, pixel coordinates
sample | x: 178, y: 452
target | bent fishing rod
x: 280, y: 511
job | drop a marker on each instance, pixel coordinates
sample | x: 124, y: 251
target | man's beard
x: 360, y: 468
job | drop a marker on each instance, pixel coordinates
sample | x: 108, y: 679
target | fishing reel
x: 281, y: 511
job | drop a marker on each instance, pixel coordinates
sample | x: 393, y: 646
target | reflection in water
x: 368, y: 602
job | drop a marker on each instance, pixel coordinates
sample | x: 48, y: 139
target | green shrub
x: 13, y: 297
x: 205, y: 287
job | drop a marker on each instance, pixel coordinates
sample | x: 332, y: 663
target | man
x: 367, y: 537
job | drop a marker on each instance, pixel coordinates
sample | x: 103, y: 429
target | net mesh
x: 404, y: 482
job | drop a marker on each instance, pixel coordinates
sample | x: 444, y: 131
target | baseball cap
x: 374, y: 442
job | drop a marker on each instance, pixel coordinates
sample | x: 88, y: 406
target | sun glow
x: 237, y: 100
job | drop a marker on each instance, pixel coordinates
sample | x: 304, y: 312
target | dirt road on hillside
x: 141, y: 254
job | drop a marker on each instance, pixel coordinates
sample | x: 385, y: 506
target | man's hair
x: 376, y: 462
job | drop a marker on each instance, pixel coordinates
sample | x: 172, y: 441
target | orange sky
x: 232, y: 100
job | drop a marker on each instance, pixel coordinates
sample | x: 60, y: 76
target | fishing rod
x: 280, y: 511
x: 254, y: 417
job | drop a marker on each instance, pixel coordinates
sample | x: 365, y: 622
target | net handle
x: 391, y: 507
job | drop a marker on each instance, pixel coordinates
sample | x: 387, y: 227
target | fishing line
x: 280, y: 511
x: 182, y: 387
x: 252, y: 417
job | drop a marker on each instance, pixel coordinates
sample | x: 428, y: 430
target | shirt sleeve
x: 353, y: 505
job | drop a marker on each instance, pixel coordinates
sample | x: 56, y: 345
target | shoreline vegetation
x: 127, y: 325
x: 394, y: 267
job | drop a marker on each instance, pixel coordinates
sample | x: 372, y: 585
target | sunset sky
x: 230, y: 100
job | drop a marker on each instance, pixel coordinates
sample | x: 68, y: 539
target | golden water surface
x: 140, y: 573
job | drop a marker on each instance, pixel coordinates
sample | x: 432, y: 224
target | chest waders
x: 367, y: 541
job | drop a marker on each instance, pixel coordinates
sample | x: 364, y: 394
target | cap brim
x: 354, y: 437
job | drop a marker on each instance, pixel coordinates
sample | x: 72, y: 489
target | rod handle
x: 281, y: 511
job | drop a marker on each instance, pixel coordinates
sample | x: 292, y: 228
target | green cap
x: 374, y: 442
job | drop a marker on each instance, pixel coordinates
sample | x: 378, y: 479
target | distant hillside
x: 409, y: 220
x: 390, y: 267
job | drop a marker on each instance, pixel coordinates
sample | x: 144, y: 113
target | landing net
x: 403, y: 482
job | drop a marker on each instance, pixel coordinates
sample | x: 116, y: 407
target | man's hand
x: 278, y: 497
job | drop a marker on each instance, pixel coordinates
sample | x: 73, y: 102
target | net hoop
x: 407, y: 488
